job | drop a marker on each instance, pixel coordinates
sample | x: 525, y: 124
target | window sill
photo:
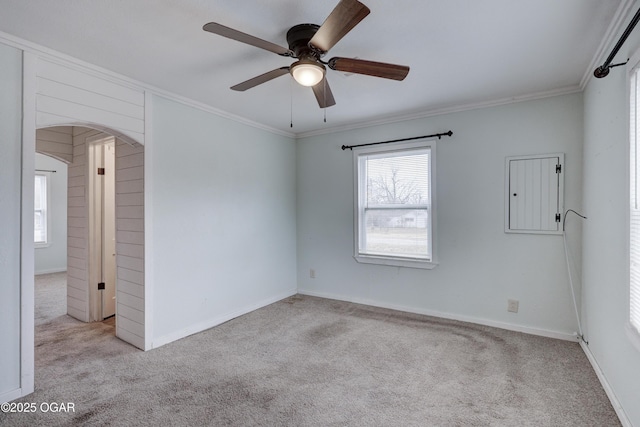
x: 396, y: 262
x: 41, y: 245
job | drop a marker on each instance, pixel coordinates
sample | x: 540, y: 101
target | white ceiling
x: 460, y: 52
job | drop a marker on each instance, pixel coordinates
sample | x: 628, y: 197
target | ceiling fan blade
x: 232, y: 34
x: 346, y: 15
x: 369, y: 68
x: 323, y: 94
x: 262, y: 78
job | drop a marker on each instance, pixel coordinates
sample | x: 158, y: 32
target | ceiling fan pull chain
x: 325, y: 100
x: 291, y: 103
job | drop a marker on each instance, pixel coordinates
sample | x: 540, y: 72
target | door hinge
x: 558, y: 168
x: 557, y: 217
x: 101, y: 286
x: 100, y: 171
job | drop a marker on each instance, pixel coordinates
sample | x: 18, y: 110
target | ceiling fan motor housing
x: 298, y: 38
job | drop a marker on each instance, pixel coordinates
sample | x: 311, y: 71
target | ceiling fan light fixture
x: 307, y: 72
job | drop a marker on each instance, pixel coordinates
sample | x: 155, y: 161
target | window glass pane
x: 394, y: 204
x: 40, y: 209
x: 398, y: 232
x: 398, y: 179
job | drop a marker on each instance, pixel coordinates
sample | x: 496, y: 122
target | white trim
x: 607, y: 387
x: 27, y: 259
x: 395, y: 262
x: 565, y: 336
x: 11, y: 395
x: 631, y: 332
x: 568, y: 90
x: 424, y: 143
x: 148, y: 222
x: 202, y: 326
x: 612, y: 31
x: 74, y: 63
x: 50, y: 271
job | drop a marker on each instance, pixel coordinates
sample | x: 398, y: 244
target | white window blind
x: 634, y: 217
x: 394, y: 204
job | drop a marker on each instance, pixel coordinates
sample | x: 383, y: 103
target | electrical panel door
x: 534, y: 192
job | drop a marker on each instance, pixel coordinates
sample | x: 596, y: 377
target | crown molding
x: 70, y: 61
x: 613, y: 30
x: 446, y: 110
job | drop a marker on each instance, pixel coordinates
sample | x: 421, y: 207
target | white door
x: 102, y: 259
x: 109, y: 232
x: 534, y: 193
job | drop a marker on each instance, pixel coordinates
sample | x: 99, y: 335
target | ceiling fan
x: 308, y: 43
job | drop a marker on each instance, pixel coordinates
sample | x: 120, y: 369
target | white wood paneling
x: 130, y: 243
x: 69, y: 95
x: 533, y: 196
x: 77, y: 229
x: 57, y: 90
x: 56, y: 142
x: 129, y: 236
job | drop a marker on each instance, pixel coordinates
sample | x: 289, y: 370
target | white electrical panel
x: 534, y: 192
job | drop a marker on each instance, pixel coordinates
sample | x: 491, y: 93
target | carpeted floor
x: 308, y: 361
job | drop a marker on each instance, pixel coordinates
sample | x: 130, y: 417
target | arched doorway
x: 77, y: 145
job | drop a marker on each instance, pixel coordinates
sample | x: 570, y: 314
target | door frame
x: 95, y: 197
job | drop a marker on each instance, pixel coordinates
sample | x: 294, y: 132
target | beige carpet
x: 308, y: 361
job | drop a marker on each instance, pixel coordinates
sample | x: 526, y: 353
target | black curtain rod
x: 45, y: 170
x: 603, y: 70
x: 439, y: 135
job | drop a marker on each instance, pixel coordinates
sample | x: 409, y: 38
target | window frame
x: 47, y: 210
x: 358, y: 152
x: 633, y: 86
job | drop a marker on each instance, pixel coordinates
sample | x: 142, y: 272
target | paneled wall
x: 69, y: 95
x: 78, y: 229
x: 130, y: 243
x: 56, y: 142
x: 129, y: 236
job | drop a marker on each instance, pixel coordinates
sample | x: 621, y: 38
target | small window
x: 394, y: 205
x: 41, y: 211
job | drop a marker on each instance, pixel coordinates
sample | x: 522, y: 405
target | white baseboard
x: 11, y: 395
x: 53, y: 270
x: 485, y: 322
x: 607, y: 387
x: 203, y: 326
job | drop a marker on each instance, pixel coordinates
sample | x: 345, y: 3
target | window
x: 41, y: 211
x: 634, y: 207
x: 394, y: 206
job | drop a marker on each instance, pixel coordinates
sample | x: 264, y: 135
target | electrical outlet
x: 312, y: 273
x: 512, y: 305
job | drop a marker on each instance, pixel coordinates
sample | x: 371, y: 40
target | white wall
x: 53, y: 258
x: 224, y: 220
x: 10, y: 211
x: 605, y: 268
x: 480, y: 266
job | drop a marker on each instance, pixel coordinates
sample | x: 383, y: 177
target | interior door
x: 109, y: 232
